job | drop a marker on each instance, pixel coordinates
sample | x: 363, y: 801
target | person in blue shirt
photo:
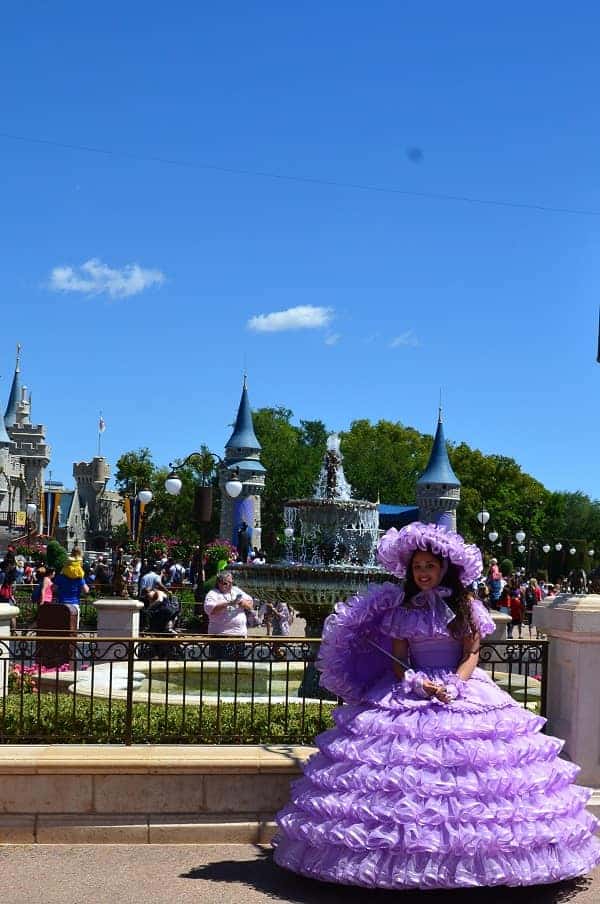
x: 70, y: 583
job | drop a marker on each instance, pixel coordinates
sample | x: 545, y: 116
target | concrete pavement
x: 215, y: 874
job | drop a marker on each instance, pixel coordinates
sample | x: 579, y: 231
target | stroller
x: 160, y: 617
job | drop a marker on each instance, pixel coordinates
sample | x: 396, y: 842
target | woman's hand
x: 436, y: 690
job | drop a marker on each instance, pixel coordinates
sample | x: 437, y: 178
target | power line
x: 306, y: 180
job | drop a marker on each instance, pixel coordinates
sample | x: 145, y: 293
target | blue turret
x: 438, y: 487
x: 242, y: 457
x: 243, y: 436
x: 10, y: 415
x: 439, y: 469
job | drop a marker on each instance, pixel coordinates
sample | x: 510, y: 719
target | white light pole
x: 203, y: 501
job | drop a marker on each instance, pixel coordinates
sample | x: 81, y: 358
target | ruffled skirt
x: 408, y: 793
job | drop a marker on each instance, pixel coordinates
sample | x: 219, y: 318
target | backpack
x: 36, y: 593
x: 530, y: 597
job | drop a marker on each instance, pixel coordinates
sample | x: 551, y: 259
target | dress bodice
x: 435, y: 652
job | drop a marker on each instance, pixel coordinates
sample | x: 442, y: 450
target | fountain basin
x: 154, y: 683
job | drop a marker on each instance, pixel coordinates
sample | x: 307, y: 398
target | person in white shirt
x: 226, y: 607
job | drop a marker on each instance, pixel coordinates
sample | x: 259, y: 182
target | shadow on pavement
x: 263, y: 875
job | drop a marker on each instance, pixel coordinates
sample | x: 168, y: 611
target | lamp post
x: 483, y: 517
x: 203, y: 501
x: 144, y: 498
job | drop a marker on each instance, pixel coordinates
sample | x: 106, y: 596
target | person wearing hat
x: 433, y: 776
x: 494, y: 582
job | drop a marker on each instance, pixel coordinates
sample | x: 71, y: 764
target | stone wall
x: 80, y: 794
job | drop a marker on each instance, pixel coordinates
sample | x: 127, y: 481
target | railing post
x: 129, y: 699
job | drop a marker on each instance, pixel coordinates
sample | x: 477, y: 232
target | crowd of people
x: 517, y: 595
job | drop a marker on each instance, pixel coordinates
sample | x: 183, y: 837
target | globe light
x: 483, y: 517
x: 173, y: 484
x: 233, y: 487
x: 520, y: 536
x: 145, y: 496
x: 558, y: 546
x: 493, y: 535
x: 591, y: 553
x: 521, y: 548
x: 546, y: 548
x: 572, y: 550
x: 289, y: 532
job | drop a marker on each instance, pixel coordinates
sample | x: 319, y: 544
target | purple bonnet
x: 397, y: 547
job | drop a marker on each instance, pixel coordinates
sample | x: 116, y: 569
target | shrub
x: 56, y: 555
x: 219, y: 550
x: 507, y: 567
x: 66, y: 720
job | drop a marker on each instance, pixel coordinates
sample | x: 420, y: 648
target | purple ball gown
x: 412, y: 793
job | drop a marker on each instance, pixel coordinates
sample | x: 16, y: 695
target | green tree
x: 292, y: 456
x: 135, y: 471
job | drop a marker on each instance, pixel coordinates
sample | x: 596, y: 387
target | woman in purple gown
x: 433, y: 776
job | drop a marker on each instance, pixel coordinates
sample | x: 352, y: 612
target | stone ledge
x: 135, y: 829
x: 88, y: 759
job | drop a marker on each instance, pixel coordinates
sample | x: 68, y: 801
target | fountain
x: 332, y: 528
x: 331, y: 541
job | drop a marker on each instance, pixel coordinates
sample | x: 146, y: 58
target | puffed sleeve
x: 482, y: 620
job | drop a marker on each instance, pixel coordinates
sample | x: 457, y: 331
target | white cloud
x: 333, y: 338
x: 93, y: 278
x: 303, y: 317
x: 405, y: 339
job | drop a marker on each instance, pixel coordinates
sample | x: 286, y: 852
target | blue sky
x: 498, y: 305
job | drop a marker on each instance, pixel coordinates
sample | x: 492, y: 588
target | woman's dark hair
x: 459, y: 600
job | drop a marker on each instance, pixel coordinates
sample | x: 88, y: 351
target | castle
x: 31, y: 504
x: 85, y: 516
x: 437, y: 492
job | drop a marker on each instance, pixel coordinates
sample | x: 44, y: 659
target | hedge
x: 61, y: 719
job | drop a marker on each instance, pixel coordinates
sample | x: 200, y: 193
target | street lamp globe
x: 591, y: 553
x: 520, y: 536
x: 558, y: 546
x: 289, y: 532
x: 546, y: 547
x: 233, y: 487
x: 173, y: 484
x: 483, y: 517
x: 145, y: 496
x: 493, y: 535
x: 572, y: 550
x: 521, y: 548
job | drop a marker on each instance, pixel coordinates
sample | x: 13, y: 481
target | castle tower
x: 438, y: 487
x: 242, y: 451
x: 10, y: 415
x: 29, y: 452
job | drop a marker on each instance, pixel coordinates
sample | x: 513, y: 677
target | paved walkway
x: 215, y: 874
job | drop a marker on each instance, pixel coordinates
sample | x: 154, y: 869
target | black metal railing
x: 520, y: 667
x: 194, y: 689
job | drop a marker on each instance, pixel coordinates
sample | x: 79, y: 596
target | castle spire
x: 439, y: 469
x: 243, y: 436
x: 10, y: 415
x: 438, y: 487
